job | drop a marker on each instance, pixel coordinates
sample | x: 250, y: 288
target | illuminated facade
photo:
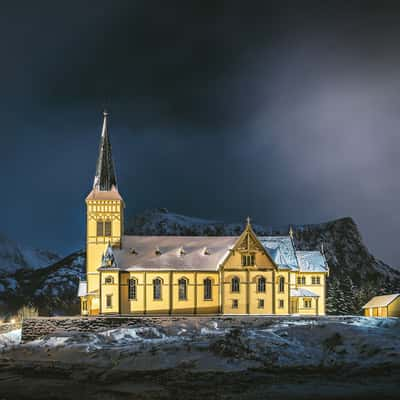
x: 246, y: 274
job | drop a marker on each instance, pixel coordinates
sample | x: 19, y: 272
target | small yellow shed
x: 383, y: 306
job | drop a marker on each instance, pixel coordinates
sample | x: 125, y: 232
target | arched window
x: 109, y: 280
x: 261, y: 285
x: 207, y: 289
x: 157, y: 289
x: 182, y: 284
x: 132, y: 289
x: 235, y: 284
x: 281, y: 284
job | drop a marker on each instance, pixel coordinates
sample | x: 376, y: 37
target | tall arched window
x: 235, y: 284
x: 157, y: 289
x: 109, y: 280
x: 132, y: 289
x: 261, y: 285
x: 281, y: 284
x: 182, y: 284
x: 207, y: 289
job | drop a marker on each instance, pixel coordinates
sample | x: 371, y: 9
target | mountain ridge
x: 14, y: 256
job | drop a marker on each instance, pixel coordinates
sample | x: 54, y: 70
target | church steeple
x: 105, y: 178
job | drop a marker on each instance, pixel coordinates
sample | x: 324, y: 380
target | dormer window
x: 133, y: 251
x: 181, y: 251
x: 158, y: 251
x: 206, y: 252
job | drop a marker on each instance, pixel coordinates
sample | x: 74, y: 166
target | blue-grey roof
x: 281, y: 250
x: 82, y: 289
x: 311, y: 261
x: 300, y: 292
x: 285, y: 256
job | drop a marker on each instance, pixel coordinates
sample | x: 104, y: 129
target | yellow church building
x: 137, y: 275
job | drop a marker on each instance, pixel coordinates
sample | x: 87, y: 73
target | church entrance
x: 294, y: 306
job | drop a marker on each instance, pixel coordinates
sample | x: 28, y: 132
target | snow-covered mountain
x: 14, y: 256
x: 51, y: 289
x: 355, y: 274
x: 162, y: 222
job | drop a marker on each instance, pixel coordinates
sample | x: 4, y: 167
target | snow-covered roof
x: 82, y: 289
x: 281, y: 250
x: 302, y: 293
x: 173, y: 252
x: 205, y: 253
x: 311, y: 261
x: 381, y: 301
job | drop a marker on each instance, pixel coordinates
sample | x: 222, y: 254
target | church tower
x: 104, y: 218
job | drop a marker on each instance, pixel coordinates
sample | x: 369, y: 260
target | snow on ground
x: 223, y: 344
x: 10, y: 338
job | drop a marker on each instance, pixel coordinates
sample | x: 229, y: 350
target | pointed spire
x: 291, y: 233
x: 248, y: 221
x: 105, y: 178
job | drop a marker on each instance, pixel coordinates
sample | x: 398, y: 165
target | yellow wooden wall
x: 222, y: 296
x: 110, y: 210
x: 394, y: 308
x: 170, y: 302
x: 317, y: 304
x: 109, y: 289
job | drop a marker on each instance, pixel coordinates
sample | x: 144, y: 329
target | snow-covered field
x: 328, y: 347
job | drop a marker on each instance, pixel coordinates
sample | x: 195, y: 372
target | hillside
x: 51, y: 289
x: 14, y: 256
x: 355, y: 274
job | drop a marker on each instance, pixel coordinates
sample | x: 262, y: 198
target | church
x: 190, y: 275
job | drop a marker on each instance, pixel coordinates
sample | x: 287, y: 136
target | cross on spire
x: 248, y: 220
x: 105, y: 177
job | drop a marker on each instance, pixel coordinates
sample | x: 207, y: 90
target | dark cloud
x: 287, y: 111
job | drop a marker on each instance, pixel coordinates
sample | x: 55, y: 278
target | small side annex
x: 383, y: 306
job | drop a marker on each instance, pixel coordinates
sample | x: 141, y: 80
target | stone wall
x: 35, y: 328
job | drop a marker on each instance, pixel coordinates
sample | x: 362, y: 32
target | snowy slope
x: 14, y: 256
x: 162, y: 222
x: 51, y: 289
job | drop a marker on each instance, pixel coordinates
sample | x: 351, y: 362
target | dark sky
x: 286, y: 111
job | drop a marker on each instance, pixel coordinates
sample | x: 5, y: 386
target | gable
x: 248, y: 244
